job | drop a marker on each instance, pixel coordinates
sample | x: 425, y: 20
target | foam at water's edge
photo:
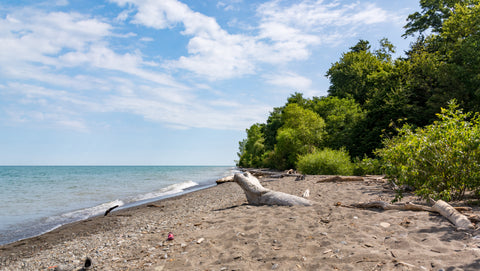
x: 169, y: 190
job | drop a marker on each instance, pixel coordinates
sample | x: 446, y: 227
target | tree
x: 461, y: 46
x: 372, y: 80
x: 434, y: 13
x: 340, y: 116
x: 274, y: 122
x: 301, y: 133
x: 359, y: 72
x: 386, y: 50
x: 446, y: 66
x: 362, y: 45
x: 252, y: 148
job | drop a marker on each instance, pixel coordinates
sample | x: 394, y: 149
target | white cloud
x: 67, y: 40
x: 61, y: 2
x: 193, y: 115
x: 146, y: 39
x: 44, y: 105
x: 286, y: 32
x: 105, y: 58
x: 315, y: 16
x: 35, y: 36
x: 228, y: 5
x: 289, y: 80
x: 123, y: 16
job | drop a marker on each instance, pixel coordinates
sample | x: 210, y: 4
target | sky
x: 166, y: 82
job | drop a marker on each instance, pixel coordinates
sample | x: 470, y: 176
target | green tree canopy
x: 432, y: 16
x: 301, y: 133
x: 252, y: 148
x: 359, y: 72
x: 341, y: 117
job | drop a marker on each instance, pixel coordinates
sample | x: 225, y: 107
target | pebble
x: 385, y: 224
x: 199, y: 241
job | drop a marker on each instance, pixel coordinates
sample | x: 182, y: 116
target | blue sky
x: 149, y: 82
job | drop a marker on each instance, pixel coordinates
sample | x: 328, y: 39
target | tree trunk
x: 259, y: 195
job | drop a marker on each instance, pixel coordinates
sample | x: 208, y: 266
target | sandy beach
x: 215, y: 229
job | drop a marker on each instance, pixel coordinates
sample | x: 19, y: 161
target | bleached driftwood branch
x: 440, y: 206
x: 259, y: 195
x: 451, y: 214
x: 335, y: 179
x: 387, y: 206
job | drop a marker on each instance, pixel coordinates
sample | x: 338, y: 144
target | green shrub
x: 367, y: 166
x: 441, y: 160
x: 326, y: 162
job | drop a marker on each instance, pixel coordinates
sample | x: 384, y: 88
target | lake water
x: 37, y: 199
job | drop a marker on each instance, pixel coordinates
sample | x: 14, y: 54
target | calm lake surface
x: 37, y: 199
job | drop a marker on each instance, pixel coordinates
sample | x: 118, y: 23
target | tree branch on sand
x: 259, y: 195
x: 446, y: 210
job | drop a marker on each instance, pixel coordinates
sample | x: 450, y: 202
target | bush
x: 367, y: 166
x: 441, y: 160
x: 326, y: 162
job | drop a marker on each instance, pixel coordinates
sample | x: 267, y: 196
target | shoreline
x: 123, y: 207
x: 215, y: 229
x: 30, y: 214
x: 126, y: 207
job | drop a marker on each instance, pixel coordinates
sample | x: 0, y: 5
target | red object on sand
x: 170, y: 236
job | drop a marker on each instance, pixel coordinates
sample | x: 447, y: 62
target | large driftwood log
x: 440, y: 206
x: 259, y: 195
x: 451, y: 214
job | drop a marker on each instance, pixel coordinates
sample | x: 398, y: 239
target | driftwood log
x: 451, y: 214
x: 387, y: 206
x: 225, y: 179
x: 259, y: 195
x: 440, y: 206
x: 335, y: 179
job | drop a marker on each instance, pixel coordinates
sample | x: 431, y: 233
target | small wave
x: 87, y: 212
x: 166, y: 191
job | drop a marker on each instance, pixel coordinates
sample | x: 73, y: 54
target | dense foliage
x: 326, y: 162
x: 371, y: 94
x: 441, y: 160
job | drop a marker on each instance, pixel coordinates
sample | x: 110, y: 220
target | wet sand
x: 215, y: 229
